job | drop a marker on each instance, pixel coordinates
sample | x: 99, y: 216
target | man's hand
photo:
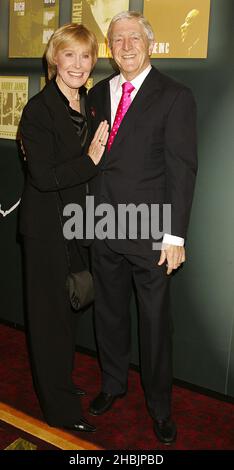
x: 174, y: 255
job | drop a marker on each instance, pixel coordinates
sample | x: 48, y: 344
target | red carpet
x: 203, y: 422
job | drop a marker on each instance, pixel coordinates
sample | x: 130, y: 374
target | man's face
x: 188, y: 28
x: 130, y: 47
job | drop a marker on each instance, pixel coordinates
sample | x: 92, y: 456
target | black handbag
x: 79, y: 285
x: 80, y: 288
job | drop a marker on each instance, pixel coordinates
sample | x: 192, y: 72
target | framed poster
x: 32, y: 22
x: 96, y: 16
x: 42, y: 82
x: 89, y: 84
x: 181, y: 27
x: 13, y: 98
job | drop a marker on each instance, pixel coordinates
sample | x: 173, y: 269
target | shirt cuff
x: 172, y: 240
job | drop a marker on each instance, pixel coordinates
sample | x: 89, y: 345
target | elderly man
x: 150, y: 158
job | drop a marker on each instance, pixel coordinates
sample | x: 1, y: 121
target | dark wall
x: 202, y: 292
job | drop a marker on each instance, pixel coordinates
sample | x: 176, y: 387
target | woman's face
x: 74, y: 64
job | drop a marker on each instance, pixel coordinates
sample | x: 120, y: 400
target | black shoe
x: 102, y: 403
x: 82, y: 425
x: 79, y: 391
x: 165, y: 430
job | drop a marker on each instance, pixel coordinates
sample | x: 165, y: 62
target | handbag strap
x: 59, y: 205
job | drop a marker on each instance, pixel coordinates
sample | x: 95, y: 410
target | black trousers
x: 51, y: 329
x: 113, y: 273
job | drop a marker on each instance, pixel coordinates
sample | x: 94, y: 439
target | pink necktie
x: 123, y: 106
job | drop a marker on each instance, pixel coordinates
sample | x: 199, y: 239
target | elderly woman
x: 54, y: 129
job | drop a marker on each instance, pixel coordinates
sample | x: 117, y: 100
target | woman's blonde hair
x: 63, y: 37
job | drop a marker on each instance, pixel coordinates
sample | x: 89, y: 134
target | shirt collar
x: 82, y: 91
x: 137, y: 81
x: 64, y: 98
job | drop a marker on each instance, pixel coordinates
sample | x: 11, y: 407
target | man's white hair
x: 129, y: 15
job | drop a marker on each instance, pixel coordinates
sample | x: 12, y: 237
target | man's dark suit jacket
x: 52, y: 147
x: 153, y: 158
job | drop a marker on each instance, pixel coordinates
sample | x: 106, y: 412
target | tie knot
x: 127, y: 87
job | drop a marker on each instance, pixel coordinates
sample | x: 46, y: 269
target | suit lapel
x: 102, y: 100
x: 105, y: 99
x: 107, y: 103
x: 144, y: 98
x: 61, y: 118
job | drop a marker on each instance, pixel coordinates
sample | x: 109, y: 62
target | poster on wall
x: 42, y: 82
x: 32, y: 22
x: 181, y: 27
x: 13, y: 98
x: 96, y: 16
x: 89, y: 83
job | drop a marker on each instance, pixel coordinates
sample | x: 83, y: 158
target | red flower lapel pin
x: 93, y: 112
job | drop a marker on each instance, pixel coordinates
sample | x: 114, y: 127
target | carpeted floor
x: 21, y: 440
x: 203, y: 422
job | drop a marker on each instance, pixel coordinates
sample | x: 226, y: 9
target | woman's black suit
x: 55, y: 141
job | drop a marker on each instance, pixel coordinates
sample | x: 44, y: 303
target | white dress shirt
x: 115, y: 94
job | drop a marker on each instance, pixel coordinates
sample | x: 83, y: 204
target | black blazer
x: 153, y: 158
x: 52, y: 145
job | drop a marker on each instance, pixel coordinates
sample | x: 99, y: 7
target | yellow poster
x: 96, y: 16
x: 89, y: 83
x: 181, y: 27
x: 42, y: 82
x: 32, y: 22
x: 13, y: 98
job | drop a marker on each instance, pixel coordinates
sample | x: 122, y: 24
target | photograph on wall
x: 96, y: 16
x: 89, y: 84
x: 13, y: 98
x: 181, y: 27
x: 42, y: 82
x: 31, y: 24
